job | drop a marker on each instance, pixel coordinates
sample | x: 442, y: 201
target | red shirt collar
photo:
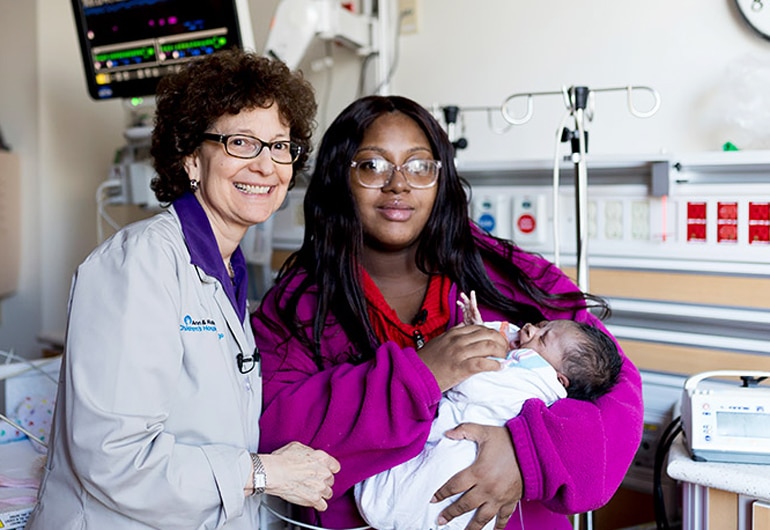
x: 432, y: 320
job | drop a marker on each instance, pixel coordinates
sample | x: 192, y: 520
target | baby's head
x: 586, y: 360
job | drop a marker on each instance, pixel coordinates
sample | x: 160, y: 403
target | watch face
x: 260, y: 480
x: 756, y: 13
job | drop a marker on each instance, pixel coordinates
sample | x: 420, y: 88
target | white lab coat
x: 154, y: 421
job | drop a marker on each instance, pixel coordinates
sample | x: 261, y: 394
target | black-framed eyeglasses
x: 245, y: 146
x: 378, y: 172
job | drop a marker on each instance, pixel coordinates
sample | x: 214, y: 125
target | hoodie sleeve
x: 370, y: 416
x: 574, y: 455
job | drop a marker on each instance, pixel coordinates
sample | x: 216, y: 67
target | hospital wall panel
x: 691, y: 322
x: 689, y: 360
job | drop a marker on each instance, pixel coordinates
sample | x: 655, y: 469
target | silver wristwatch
x: 259, y: 479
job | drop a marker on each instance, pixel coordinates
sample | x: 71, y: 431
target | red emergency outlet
x: 696, y: 210
x: 727, y: 222
x: 759, y: 234
x: 696, y: 232
x: 727, y: 233
x: 696, y: 221
x: 759, y: 211
x: 727, y: 210
x: 759, y: 223
x: 526, y: 223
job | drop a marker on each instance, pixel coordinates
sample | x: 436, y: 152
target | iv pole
x: 577, y: 99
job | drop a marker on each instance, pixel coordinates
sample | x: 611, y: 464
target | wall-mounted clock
x: 756, y: 13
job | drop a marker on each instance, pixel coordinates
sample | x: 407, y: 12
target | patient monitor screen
x: 128, y: 45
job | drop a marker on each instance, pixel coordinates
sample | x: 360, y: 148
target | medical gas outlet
x: 522, y: 217
x: 489, y: 211
x: 528, y: 219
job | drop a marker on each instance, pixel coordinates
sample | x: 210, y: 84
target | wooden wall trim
x: 669, y: 286
x: 688, y: 360
x: 722, y: 510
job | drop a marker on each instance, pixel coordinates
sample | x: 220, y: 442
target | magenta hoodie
x: 375, y: 415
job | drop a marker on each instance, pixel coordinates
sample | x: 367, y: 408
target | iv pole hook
x: 636, y: 112
x: 513, y: 120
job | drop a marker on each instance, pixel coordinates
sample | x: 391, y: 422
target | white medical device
x: 297, y: 23
x: 727, y: 423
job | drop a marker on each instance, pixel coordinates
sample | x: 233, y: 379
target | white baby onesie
x: 399, y: 498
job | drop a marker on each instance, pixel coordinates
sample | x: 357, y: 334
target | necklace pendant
x: 419, y: 340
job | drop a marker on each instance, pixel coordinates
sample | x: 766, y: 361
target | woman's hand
x: 492, y: 484
x: 461, y: 352
x: 300, y: 474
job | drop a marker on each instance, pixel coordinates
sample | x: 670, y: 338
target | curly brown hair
x: 190, y: 101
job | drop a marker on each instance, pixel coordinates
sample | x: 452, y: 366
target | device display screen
x: 742, y: 425
x: 128, y: 45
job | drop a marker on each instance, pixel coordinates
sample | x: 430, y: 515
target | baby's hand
x: 470, y: 309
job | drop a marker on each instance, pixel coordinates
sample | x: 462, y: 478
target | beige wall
x: 20, y: 315
x: 478, y: 53
x: 77, y: 138
x: 465, y: 53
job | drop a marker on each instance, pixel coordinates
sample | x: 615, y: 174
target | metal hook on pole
x: 520, y: 120
x: 497, y: 130
x: 513, y: 120
x: 629, y: 90
x: 632, y: 108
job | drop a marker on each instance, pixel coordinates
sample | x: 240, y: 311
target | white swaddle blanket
x: 399, y: 498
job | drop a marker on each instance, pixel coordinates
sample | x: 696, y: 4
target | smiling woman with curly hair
x: 156, y: 417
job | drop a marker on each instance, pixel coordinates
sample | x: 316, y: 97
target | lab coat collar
x: 204, y: 252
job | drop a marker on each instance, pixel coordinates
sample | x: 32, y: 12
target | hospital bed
x: 29, y: 390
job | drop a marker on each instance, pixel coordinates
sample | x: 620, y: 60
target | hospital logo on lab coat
x: 197, y: 326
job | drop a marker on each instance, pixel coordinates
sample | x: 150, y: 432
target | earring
x: 193, y: 185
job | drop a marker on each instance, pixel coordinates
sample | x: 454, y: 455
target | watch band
x: 259, y: 478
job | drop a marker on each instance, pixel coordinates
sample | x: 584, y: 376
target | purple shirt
x: 204, y: 252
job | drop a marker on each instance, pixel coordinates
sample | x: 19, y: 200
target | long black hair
x: 449, y: 244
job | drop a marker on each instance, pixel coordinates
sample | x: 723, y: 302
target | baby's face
x: 550, y: 339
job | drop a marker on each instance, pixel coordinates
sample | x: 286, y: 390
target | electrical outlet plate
x: 640, y: 220
x: 592, y: 220
x: 613, y: 219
